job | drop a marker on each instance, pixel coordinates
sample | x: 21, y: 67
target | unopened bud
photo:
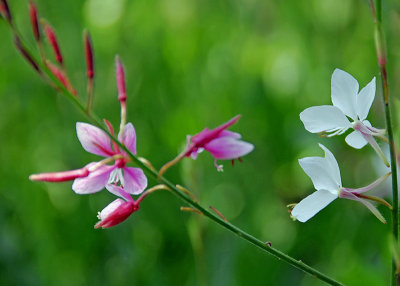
x: 60, y: 176
x: 61, y: 77
x: 115, y: 213
x: 34, y: 20
x: 88, y: 55
x: 27, y: 56
x: 5, y: 11
x: 120, y: 75
x: 51, y: 37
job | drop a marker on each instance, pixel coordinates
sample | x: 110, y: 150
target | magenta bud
x: 27, y: 56
x: 88, y: 55
x: 120, y: 75
x: 51, y: 37
x: 61, y: 77
x: 34, y: 20
x: 60, y: 176
x: 115, y: 213
x: 5, y: 11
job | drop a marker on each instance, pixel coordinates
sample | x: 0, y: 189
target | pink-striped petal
x: 95, y: 182
x: 135, y: 180
x: 93, y: 139
x: 115, y: 213
x: 227, y: 148
x: 118, y: 191
x: 129, y: 138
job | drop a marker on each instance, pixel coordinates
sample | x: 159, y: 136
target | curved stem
x: 380, y: 45
x: 94, y: 119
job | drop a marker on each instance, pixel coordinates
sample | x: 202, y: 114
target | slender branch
x: 94, y: 119
x: 380, y: 45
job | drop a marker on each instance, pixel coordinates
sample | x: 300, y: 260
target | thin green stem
x: 94, y: 119
x: 380, y: 45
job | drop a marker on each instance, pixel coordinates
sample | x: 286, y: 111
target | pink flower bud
x: 24, y: 52
x: 88, y: 55
x: 115, y: 213
x: 60, y: 176
x: 120, y: 75
x: 51, y: 37
x: 61, y: 77
x: 5, y: 11
x: 34, y: 20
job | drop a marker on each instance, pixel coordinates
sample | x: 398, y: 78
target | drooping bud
x: 88, y: 55
x: 60, y: 176
x: 115, y: 213
x: 61, y: 77
x: 120, y: 75
x: 34, y: 20
x: 51, y: 37
x: 27, y: 56
x: 5, y: 11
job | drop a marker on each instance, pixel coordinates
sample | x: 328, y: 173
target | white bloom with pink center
x: 348, y: 102
x: 325, y: 174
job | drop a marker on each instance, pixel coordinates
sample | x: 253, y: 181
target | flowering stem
x: 93, y: 118
x: 380, y: 45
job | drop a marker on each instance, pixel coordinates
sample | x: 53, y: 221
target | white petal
x: 323, y: 118
x: 356, y: 140
x: 344, y: 89
x: 365, y: 99
x: 332, y: 164
x: 320, y: 173
x: 312, y: 204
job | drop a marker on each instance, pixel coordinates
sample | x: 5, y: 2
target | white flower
x: 347, y: 102
x: 325, y: 174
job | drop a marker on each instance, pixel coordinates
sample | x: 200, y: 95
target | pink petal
x: 129, y: 138
x: 118, y: 191
x: 227, y: 148
x: 135, y: 180
x: 93, y: 139
x: 95, y: 182
x: 226, y: 133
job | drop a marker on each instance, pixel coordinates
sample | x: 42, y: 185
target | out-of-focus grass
x: 193, y: 64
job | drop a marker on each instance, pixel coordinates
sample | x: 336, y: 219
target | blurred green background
x: 191, y: 64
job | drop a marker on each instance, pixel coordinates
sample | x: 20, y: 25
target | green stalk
x: 380, y: 45
x: 94, y: 119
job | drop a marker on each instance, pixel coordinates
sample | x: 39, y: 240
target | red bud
x: 60, y: 176
x: 120, y: 75
x: 26, y: 54
x: 5, y: 10
x: 51, y: 37
x: 88, y: 55
x: 34, y: 20
x: 61, y: 77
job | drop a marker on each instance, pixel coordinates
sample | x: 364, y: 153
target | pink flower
x: 222, y: 144
x: 96, y: 141
x: 118, y: 210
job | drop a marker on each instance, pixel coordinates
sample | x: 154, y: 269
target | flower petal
x: 320, y: 171
x: 227, y: 148
x: 95, y: 182
x: 323, y: 118
x: 344, y: 89
x: 135, y: 180
x: 356, y: 140
x: 312, y: 204
x: 333, y: 165
x: 93, y: 139
x: 227, y: 133
x: 118, y: 191
x: 129, y: 138
x: 365, y: 99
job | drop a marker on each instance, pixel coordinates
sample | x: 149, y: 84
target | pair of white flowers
x: 333, y: 119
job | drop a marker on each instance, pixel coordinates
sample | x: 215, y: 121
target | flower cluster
x: 324, y: 172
